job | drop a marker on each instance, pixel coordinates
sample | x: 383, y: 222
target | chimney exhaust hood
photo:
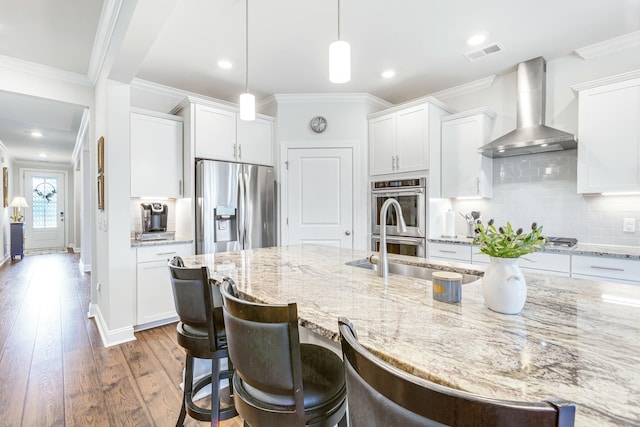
x: 531, y: 135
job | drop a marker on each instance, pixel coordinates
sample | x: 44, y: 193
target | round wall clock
x: 318, y: 124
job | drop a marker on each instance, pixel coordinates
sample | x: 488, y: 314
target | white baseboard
x: 110, y: 337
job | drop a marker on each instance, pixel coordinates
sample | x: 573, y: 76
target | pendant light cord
x: 338, y: 19
x: 246, y: 27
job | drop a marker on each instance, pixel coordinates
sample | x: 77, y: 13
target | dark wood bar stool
x: 381, y: 395
x: 277, y: 380
x: 201, y: 334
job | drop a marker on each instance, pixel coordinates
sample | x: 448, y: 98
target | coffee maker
x: 154, y: 217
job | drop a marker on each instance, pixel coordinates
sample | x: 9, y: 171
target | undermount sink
x: 408, y: 270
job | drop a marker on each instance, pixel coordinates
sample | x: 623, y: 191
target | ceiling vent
x: 484, y: 51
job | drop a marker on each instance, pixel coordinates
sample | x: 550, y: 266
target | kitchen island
x: 575, y: 339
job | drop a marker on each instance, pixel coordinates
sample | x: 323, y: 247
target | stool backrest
x: 195, y: 297
x: 264, y: 344
x: 380, y: 394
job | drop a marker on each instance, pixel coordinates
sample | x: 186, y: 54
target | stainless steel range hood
x: 531, y: 135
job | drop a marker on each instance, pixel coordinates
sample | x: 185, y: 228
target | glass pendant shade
x: 339, y: 62
x: 247, y: 107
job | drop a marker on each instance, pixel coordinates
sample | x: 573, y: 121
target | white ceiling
x: 423, y: 41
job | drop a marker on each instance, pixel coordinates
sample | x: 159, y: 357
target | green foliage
x: 504, y: 242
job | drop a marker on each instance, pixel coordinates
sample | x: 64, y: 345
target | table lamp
x: 16, y: 204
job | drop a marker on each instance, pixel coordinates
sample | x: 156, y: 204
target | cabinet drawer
x: 163, y: 252
x: 606, y: 268
x: 555, y: 262
x: 450, y: 251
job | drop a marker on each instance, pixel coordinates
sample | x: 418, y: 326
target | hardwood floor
x: 54, y: 370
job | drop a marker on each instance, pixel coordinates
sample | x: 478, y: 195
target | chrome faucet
x: 383, y: 265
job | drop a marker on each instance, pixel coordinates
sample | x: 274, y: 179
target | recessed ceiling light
x: 476, y: 39
x: 388, y: 74
x: 224, y: 64
x: 43, y: 155
x: 36, y: 134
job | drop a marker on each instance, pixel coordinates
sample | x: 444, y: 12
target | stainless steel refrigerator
x: 235, y: 206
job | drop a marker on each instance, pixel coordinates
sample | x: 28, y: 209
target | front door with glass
x: 44, y: 218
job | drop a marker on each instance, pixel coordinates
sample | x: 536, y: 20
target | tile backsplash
x: 542, y: 188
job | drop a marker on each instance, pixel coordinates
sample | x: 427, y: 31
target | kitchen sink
x: 408, y: 270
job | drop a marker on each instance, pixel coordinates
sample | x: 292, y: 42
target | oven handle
x: 406, y: 240
x: 387, y: 193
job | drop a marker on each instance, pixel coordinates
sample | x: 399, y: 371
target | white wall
x: 542, y: 187
x: 346, y: 124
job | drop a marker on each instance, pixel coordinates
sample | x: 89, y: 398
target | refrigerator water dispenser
x: 226, y: 226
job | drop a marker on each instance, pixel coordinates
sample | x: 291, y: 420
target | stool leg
x: 188, y: 385
x: 215, y: 391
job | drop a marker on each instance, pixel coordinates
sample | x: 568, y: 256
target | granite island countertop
x: 575, y: 339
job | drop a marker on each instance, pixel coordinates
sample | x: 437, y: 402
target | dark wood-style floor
x: 54, y: 369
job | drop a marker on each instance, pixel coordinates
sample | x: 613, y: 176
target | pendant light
x: 339, y: 58
x: 247, y: 100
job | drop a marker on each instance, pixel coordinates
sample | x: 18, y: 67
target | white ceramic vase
x: 503, y: 286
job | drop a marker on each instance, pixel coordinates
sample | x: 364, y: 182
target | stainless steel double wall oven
x: 412, y: 196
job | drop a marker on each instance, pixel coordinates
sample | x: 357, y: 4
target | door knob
x: 348, y: 233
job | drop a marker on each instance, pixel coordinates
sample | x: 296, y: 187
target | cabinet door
x: 155, y: 296
x: 156, y: 156
x: 412, y: 140
x: 215, y: 133
x: 465, y: 172
x: 609, y: 138
x: 255, y: 142
x: 382, y: 144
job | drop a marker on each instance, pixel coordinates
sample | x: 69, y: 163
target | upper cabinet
x: 221, y: 135
x: 609, y: 136
x: 156, y: 155
x: 401, y: 139
x: 465, y: 172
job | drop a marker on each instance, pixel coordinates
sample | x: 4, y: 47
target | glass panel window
x: 45, y: 202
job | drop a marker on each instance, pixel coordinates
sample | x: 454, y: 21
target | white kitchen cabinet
x: 465, y: 172
x: 553, y: 263
x: 154, y: 294
x: 400, y: 139
x: 221, y: 135
x: 254, y: 141
x: 607, y: 269
x: 609, y: 137
x: 215, y: 133
x: 450, y: 252
x: 156, y: 155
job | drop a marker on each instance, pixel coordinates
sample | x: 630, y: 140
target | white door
x: 320, y: 196
x: 44, y: 218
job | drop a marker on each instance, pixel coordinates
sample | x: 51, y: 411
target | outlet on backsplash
x: 629, y: 225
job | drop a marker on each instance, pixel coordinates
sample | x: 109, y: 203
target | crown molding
x: 609, y: 46
x: 44, y: 71
x: 106, y: 28
x: 465, y: 88
x: 469, y: 113
x: 606, y: 81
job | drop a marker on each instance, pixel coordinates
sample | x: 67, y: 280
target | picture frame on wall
x: 5, y: 186
x: 101, y: 155
x: 101, y: 192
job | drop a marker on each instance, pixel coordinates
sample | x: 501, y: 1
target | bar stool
x: 277, y: 380
x: 201, y: 334
x: 382, y: 395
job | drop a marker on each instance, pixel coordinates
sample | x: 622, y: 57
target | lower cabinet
x: 154, y: 294
x: 538, y: 262
x: 450, y: 252
x: 607, y: 269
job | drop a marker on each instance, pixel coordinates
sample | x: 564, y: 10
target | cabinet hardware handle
x: 478, y: 185
x: 607, y: 268
x: 446, y: 252
x: 239, y: 151
x: 166, y: 253
x: 235, y: 151
x: 397, y: 162
x: 393, y: 163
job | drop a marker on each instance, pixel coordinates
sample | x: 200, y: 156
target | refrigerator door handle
x: 241, y: 218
